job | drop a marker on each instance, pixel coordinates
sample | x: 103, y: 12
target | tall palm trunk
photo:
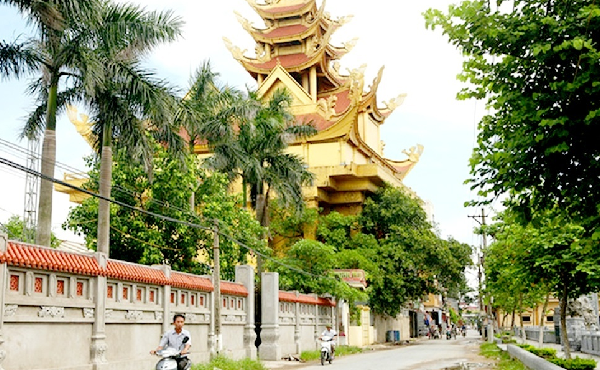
x: 545, y: 307
x: 105, y: 185
x: 44, y: 221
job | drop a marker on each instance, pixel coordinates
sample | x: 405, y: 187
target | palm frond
x: 17, y: 59
x: 35, y: 122
x: 129, y: 31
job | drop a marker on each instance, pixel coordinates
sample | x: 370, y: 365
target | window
x: 109, y: 291
x: 550, y: 318
x: 60, y: 287
x: 526, y: 318
x: 14, y: 283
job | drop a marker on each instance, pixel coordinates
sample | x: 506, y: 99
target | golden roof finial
x: 394, y: 103
x: 237, y: 53
x: 82, y: 125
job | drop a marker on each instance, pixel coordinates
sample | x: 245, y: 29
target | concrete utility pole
x: 490, y: 327
x: 217, y: 287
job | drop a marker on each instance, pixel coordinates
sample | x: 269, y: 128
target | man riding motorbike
x: 174, y: 338
x: 329, y: 334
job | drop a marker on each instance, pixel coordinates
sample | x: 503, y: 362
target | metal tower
x: 32, y: 185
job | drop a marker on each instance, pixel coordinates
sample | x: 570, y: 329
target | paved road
x: 423, y: 355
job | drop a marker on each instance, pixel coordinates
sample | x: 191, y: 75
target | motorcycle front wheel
x: 323, y: 355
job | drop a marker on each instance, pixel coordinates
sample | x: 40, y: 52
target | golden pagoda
x: 293, y: 51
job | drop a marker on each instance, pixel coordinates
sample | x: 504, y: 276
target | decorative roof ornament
x: 376, y: 81
x: 246, y: 24
x: 328, y: 106
x: 349, y: 45
x: 394, y: 103
x: 344, y: 20
x: 357, y: 81
x: 237, y: 53
x: 82, y: 125
x: 414, y: 153
x: 261, y: 52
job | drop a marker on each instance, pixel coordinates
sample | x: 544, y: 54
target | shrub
x: 575, y: 363
x: 546, y: 353
x: 509, y: 341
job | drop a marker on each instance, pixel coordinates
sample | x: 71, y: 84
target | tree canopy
x: 142, y: 238
x: 390, y: 239
x: 536, y: 63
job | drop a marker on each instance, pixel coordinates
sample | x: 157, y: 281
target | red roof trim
x: 233, y: 289
x: 36, y: 257
x: 303, y: 298
x: 133, y: 272
x: 29, y: 256
x: 286, y: 61
x: 285, y: 31
x: 189, y: 281
x: 284, y: 9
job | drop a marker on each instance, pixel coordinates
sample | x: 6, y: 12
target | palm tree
x: 58, y: 52
x: 127, y: 102
x: 209, y: 112
x: 105, y: 73
x: 253, y: 148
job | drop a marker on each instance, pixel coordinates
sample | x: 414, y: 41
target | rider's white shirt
x: 329, y: 333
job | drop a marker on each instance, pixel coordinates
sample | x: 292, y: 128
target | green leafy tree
x: 536, y: 63
x: 145, y: 239
x: 553, y: 255
x: 316, y: 261
x: 14, y: 229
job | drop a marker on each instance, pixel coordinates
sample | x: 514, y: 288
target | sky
x: 417, y: 61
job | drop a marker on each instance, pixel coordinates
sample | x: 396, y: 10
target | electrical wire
x: 213, y: 229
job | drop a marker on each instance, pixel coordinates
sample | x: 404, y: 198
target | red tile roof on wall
x: 29, y: 256
x: 189, y: 281
x: 133, y: 272
x: 233, y: 289
x: 284, y: 31
x: 286, y: 61
x: 303, y: 298
x: 36, y: 257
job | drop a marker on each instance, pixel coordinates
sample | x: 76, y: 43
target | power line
x: 19, y: 167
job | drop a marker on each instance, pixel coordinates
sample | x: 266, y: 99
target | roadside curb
x: 530, y: 360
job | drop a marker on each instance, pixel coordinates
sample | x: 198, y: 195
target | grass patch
x: 225, y: 363
x: 505, y: 362
x: 339, y: 351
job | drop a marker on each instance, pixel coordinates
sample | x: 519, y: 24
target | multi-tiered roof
x: 293, y: 50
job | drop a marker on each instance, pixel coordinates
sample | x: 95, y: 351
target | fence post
x: 3, y: 277
x: 269, y: 348
x: 166, y: 303
x: 245, y: 275
x: 99, y: 346
x: 297, y: 327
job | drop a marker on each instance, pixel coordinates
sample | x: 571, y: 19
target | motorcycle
x: 326, y: 354
x: 170, y: 357
x: 448, y: 334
